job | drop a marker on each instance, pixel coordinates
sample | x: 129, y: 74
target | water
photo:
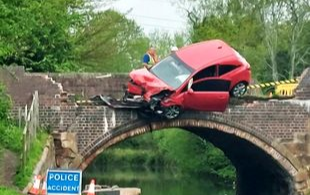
x: 157, y: 182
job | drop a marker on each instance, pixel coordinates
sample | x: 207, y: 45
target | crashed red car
x: 200, y: 76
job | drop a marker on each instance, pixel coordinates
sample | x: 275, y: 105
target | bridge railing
x: 31, y: 126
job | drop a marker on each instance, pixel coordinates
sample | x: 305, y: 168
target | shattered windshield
x: 172, y: 71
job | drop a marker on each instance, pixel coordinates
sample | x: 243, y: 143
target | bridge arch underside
x: 261, y: 167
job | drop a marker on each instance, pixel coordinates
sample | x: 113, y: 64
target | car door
x: 207, y: 95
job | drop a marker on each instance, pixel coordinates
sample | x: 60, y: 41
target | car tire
x: 239, y: 89
x: 172, y: 112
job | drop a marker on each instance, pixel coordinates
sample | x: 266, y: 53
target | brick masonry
x: 88, y: 85
x: 280, y: 128
x: 21, y: 85
x: 303, y: 90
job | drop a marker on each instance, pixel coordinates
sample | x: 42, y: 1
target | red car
x: 200, y: 76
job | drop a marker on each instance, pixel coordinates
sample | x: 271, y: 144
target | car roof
x: 203, y: 53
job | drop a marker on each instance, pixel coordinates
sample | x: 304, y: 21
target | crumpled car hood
x: 148, y: 81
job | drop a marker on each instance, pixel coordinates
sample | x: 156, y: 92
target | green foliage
x: 163, y: 42
x: 110, y: 43
x: 243, y: 33
x: 8, y: 132
x: 193, y: 154
x: 36, y: 34
x: 172, y: 148
x: 272, y: 35
x: 23, y: 176
x: 131, y: 157
x: 5, y: 103
x: 10, y: 136
x: 7, y: 191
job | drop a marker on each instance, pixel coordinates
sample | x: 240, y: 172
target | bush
x: 7, y: 191
x: 11, y: 136
x: 5, y: 103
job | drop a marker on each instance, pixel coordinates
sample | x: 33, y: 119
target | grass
x: 11, y: 139
x: 11, y: 136
x: 8, y: 191
x: 24, y: 176
x: 1, y: 163
x: 7, y: 133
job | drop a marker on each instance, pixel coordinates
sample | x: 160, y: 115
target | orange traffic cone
x: 91, y: 189
x: 43, y: 190
x: 35, y: 189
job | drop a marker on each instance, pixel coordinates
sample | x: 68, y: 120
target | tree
x: 299, y: 17
x: 269, y: 33
x: 163, y: 41
x: 270, y: 16
x: 36, y: 34
x: 191, y: 153
x: 284, y: 25
x: 110, y: 42
x: 233, y: 21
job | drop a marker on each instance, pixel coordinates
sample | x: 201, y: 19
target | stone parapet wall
x: 21, y: 86
x: 303, y: 90
x: 279, y: 119
x: 275, y: 119
x: 88, y: 122
x: 88, y: 84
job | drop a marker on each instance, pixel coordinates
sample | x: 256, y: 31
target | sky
x: 152, y: 15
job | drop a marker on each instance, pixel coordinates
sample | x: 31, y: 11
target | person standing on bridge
x: 150, y: 58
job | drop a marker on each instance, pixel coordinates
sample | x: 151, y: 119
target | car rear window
x: 223, y: 69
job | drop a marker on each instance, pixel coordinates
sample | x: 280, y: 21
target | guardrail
x: 31, y: 126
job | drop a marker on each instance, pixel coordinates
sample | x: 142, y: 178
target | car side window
x: 211, y: 85
x: 223, y: 69
x: 207, y: 72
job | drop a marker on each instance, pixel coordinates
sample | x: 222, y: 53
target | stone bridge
x: 267, y: 141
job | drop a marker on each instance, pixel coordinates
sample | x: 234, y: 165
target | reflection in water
x: 156, y: 182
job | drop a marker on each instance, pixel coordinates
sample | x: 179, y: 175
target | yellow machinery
x: 286, y: 89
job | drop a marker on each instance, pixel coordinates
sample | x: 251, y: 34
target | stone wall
x: 88, y: 84
x: 276, y: 119
x: 21, y: 86
x: 303, y: 90
x: 80, y: 130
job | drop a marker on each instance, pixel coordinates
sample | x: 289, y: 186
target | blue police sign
x: 64, y: 182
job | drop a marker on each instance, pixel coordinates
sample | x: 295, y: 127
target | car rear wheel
x: 239, y: 89
x: 172, y: 112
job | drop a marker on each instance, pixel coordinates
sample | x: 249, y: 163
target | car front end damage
x: 150, y: 95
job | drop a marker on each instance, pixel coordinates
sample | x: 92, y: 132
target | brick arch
x: 214, y: 122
